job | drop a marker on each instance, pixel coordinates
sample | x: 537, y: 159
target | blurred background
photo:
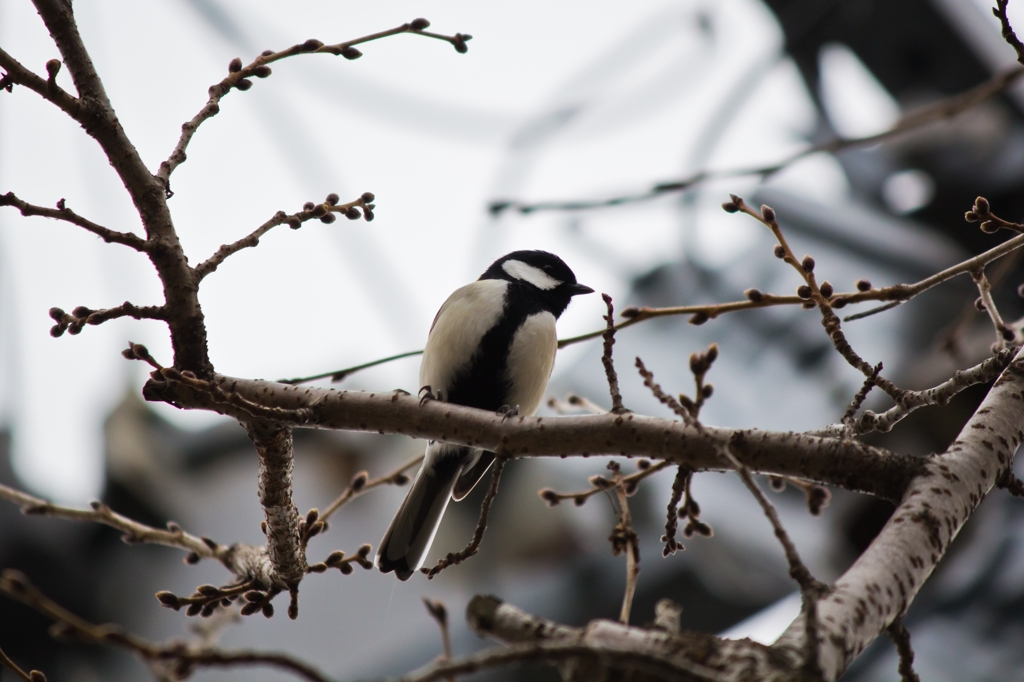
x: 553, y: 101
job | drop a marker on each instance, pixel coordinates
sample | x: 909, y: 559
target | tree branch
x: 70, y: 626
x: 933, y: 113
x: 69, y: 216
x: 325, y: 212
x: 239, y: 78
x: 81, y: 316
x: 17, y: 74
x: 836, y: 461
x: 884, y: 580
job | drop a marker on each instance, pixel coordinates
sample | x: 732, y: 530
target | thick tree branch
x: 97, y: 117
x: 835, y: 461
x: 884, y: 580
x: 284, y: 537
x: 69, y: 216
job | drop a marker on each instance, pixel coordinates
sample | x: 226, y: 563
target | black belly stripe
x: 483, y: 384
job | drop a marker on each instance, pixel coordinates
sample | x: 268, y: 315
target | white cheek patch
x: 528, y: 273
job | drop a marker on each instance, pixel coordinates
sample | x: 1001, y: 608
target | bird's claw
x: 508, y: 411
x: 427, y: 394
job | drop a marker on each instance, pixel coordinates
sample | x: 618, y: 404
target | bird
x: 491, y: 346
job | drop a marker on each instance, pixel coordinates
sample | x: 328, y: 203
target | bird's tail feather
x: 408, y: 538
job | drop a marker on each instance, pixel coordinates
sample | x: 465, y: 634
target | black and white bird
x: 492, y: 346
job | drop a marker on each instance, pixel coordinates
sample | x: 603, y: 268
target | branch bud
x: 768, y: 213
x: 235, y: 65
x: 807, y: 264
x: 311, y: 45
x: 244, y: 84
x: 262, y: 71
x: 981, y: 206
x: 420, y: 24
x: 349, y: 52
x: 803, y: 291
x: 779, y: 251
x: 826, y: 289
x: 754, y: 295
x: 699, y: 318
x: 52, y: 69
x: 863, y: 285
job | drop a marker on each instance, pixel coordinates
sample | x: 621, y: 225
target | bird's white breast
x: 469, y: 313
x: 530, y: 361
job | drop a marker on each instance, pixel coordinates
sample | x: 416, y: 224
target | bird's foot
x: 427, y: 394
x: 508, y: 411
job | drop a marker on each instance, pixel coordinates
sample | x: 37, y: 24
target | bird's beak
x: 577, y: 289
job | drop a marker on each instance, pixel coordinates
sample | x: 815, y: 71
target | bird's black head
x: 539, y: 274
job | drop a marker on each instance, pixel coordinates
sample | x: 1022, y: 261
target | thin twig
x: 439, y: 613
x: 294, y: 221
x: 861, y: 396
x: 478, y: 534
x: 340, y: 374
x: 239, y: 77
x: 17, y: 586
x: 134, y: 532
x: 64, y: 213
x: 939, y: 111
x: 17, y: 74
x: 900, y: 636
x: 625, y: 540
x: 938, y: 395
x: 814, y: 296
x: 1008, y: 35
x: 600, y: 484
x: 77, y: 319
x: 361, y: 483
x: 1004, y: 333
x: 606, y: 357
x: 31, y: 676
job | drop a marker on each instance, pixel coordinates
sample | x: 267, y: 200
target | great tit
x: 491, y: 346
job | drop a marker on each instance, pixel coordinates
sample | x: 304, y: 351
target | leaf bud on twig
x: 262, y: 71
x: 367, y: 197
x: 971, y: 217
x: 332, y: 199
x: 52, y: 68
x: 352, y: 213
x: 244, y: 84
x: 768, y: 213
x: 459, y: 41
x: 312, y: 45
x: 807, y: 264
x: 267, y: 53
x: 840, y: 302
x: 981, y: 206
x: 989, y: 227
x: 349, y: 52
x: 420, y: 24
x: 549, y: 496
x: 699, y: 318
x: 779, y: 251
x: 328, y: 218
x: 803, y: 291
x: 863, y: 285
x: 730, y: 207
x: 707, y: 391
x: 368, y: 214
x: 979, y: 303
x: 754, y: 295
x: 235, y: 65
x: 826, y: 289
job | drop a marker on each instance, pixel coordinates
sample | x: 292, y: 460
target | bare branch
x: 625, y: 540
x: 939, y: 111
x: 340, y: 374
x: 900, y: 636
x: 68, y: 625
x: 134, y: 532
x: 239, y: 78
x: 939, y: 395
x: 439, y: 613
x: 325, y: 212
x: 606, y: 357
x: 64, y: 213
x: 888, y: 575
x: 478, y: 534
x: 74, y: 322
x: 32, y: 676
x: 362, y: 483
x: 1008, y: 35
x: 830, y: 460
x: 861, y: 396
x: 600, y: 484
x: 284, y: 537
x: 1003, y: 331
x: 17, y: 74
